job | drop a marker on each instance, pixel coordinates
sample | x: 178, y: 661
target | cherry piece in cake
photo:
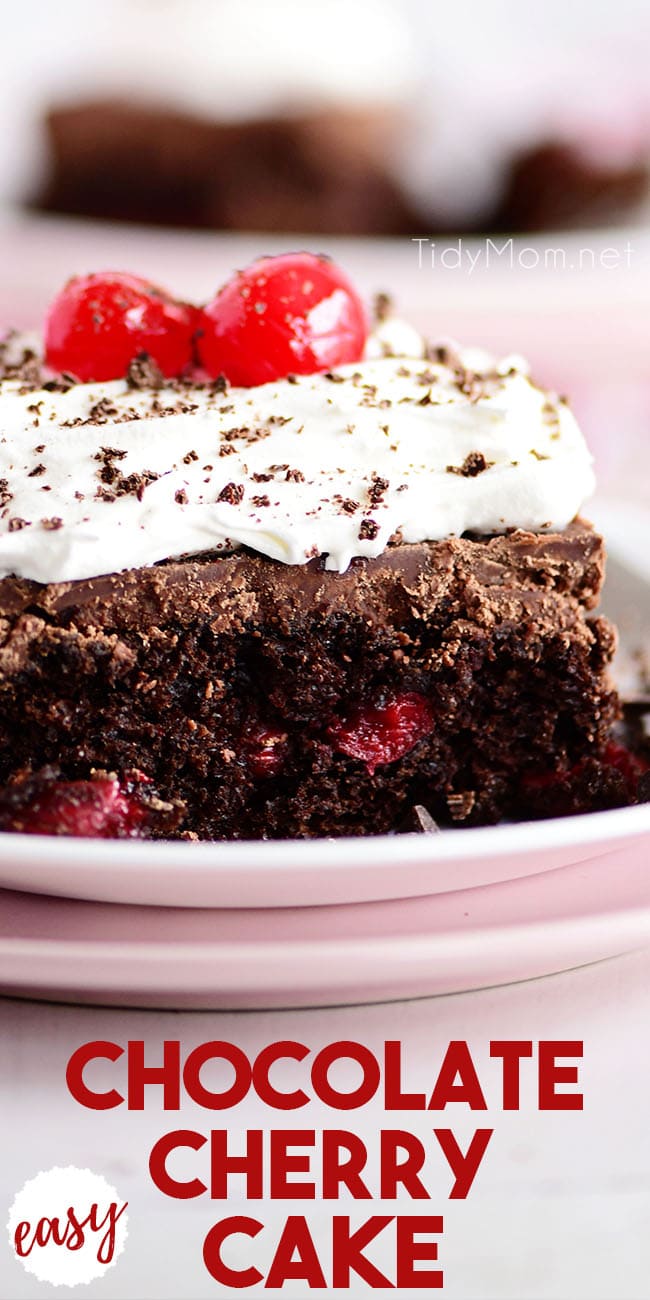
x: 381, y: 733
x: 105, y: 806
x: 81, y: 808
x: 265, y: 751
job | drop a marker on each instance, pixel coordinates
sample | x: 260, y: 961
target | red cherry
x: 380, y: 733
x: 265, y: 751
x: 102, y: 808
x: 292, y: 314
x: 99, y: 323
x: 631, y: 766
x: 549, y: 779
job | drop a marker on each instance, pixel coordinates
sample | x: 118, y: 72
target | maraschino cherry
x: 292, y: 314
x: 98, y: 323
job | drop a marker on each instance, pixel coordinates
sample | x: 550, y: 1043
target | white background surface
x: 560, y: 1207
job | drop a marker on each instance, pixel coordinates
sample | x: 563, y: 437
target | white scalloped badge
x: 67, y: 1226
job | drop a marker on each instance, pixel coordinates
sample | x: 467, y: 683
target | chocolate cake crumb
x: 189, y: 457
x: 25, y: 369
x: 461, y: 805
x: 473, y: 464
x: 36, y: 471
x: 62, y: 383
x: 643, y: 788
x: 440, y: 352
x: 258, y: 502
x: 377, y: 490
x: 368, y: 530
x: 136, y: 483
x: 52, y: 524
x: 6, y: 495
x: 470, y: 384
x: 103, y: 411
x: 220, y: 385
x: 550, y: 413
x: 16, y: 524
x: 180, y: 497
x: 427, y: 823
x: 143, y: 373
x: 225, y: 450
x: 111, y: 453
x: 294, y: 476
x: 419, y: 821
x: 382, y: 307
x: 232, y: 493
x: 348, y: 506
x: 121, y: 484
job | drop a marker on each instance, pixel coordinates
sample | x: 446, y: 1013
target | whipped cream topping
x: 108, y: 476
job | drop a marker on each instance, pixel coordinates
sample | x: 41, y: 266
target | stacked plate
x: 275, y: 924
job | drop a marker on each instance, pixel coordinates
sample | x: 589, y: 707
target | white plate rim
x: 453, y: 845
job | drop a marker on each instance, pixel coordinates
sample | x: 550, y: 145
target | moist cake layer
x: 238, y: 684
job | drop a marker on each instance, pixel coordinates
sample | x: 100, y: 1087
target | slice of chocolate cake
x: 321, y: 172
x: 383, y: 597
x: 555, y: 185
x: 444, y: 673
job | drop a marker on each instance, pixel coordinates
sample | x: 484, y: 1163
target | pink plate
x: 129, y: 956
x: 307, y: 873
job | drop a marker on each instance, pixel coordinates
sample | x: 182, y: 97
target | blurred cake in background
x: 239, y: 114
x: 517, y: 134
x: 358, y: 117
x: 559, y: 184
x: 588, y: 165
x: 319, y: 172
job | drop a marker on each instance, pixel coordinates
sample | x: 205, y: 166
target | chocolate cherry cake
x: 264, y: 574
